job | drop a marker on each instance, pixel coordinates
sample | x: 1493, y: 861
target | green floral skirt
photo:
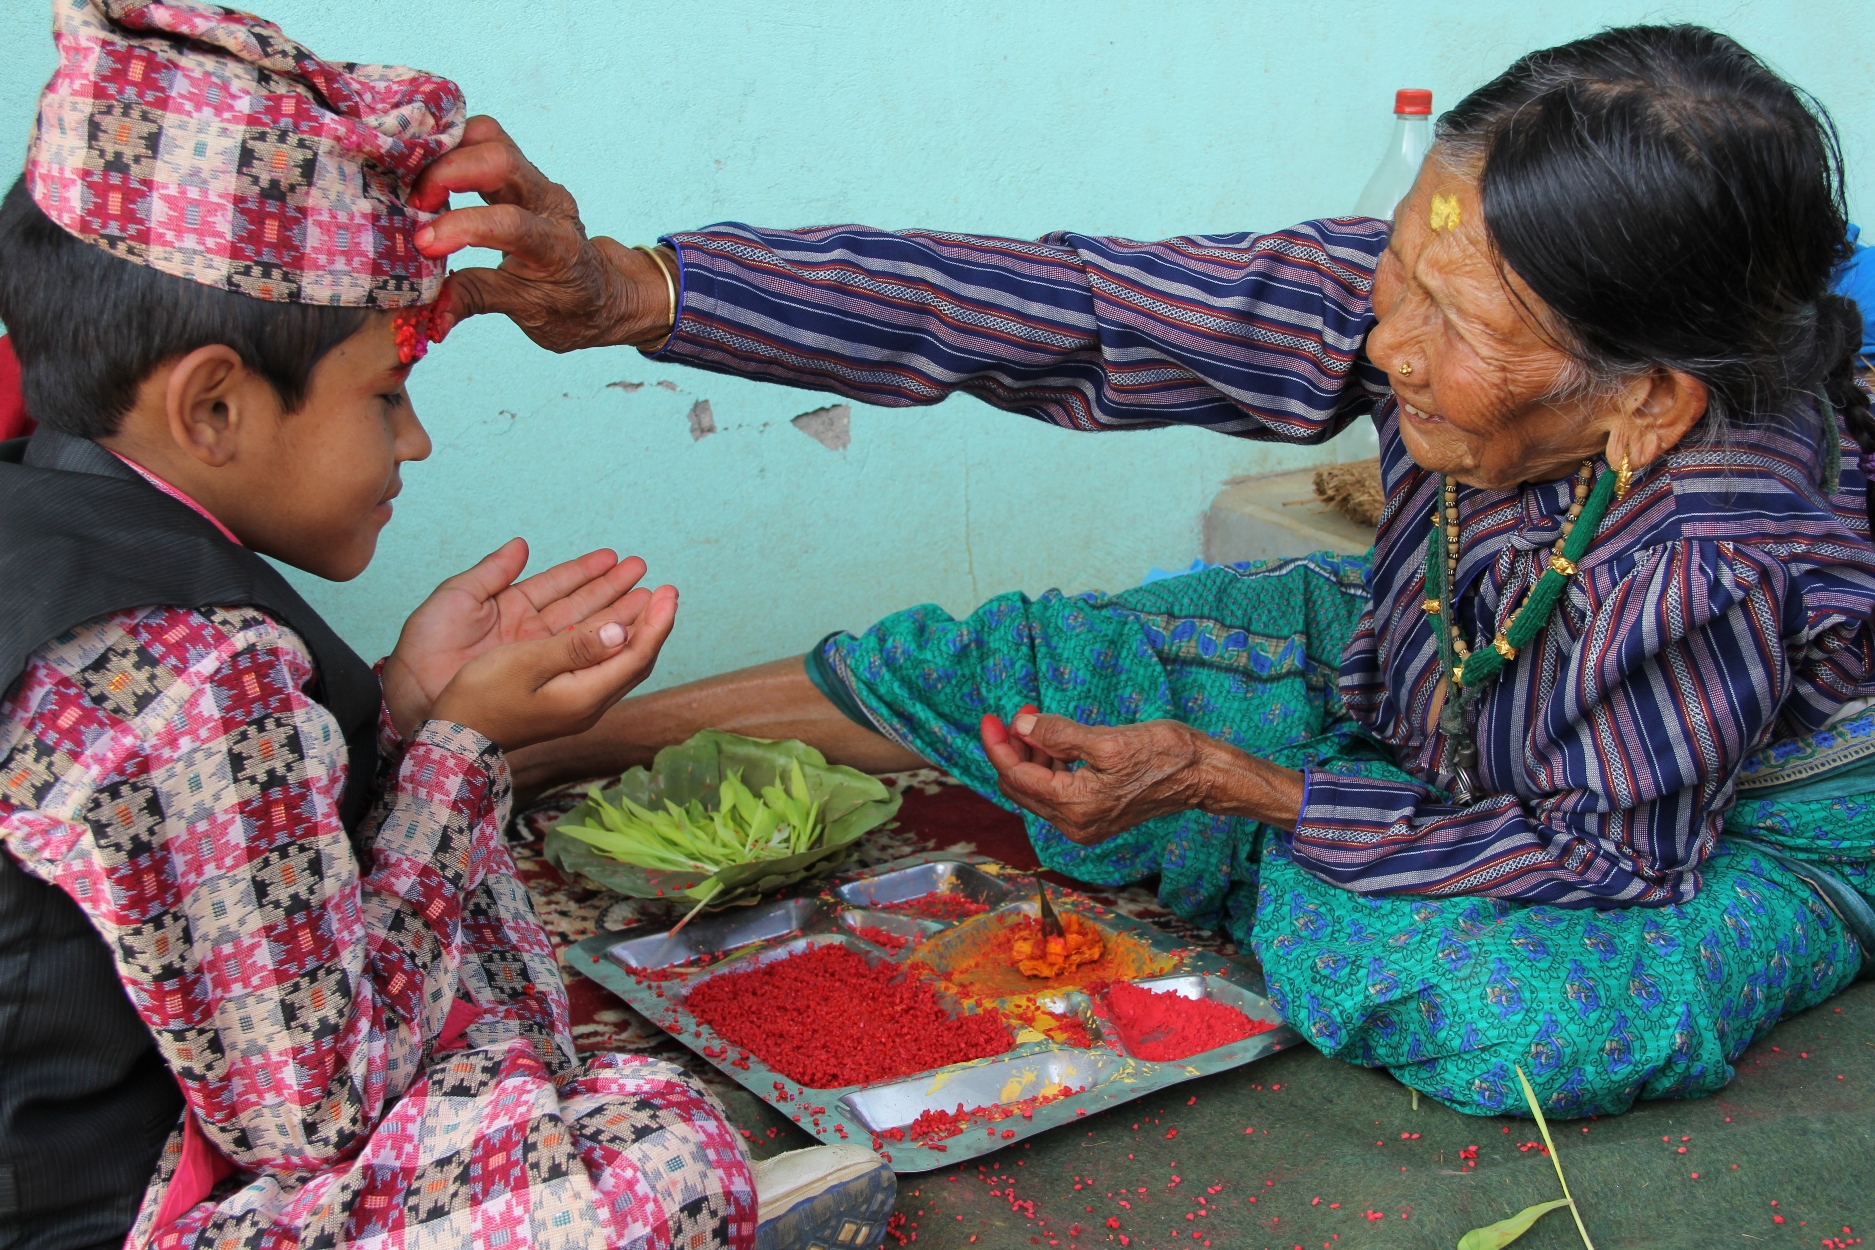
x: 1598, y: 1007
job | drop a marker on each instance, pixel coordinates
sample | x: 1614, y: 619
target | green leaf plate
x: 852, y: 804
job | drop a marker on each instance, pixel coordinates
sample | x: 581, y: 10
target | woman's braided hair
x: 1677, y: 205
x: 1839, y: 342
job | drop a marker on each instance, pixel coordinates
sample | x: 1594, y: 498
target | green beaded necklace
x: 1469, y: 672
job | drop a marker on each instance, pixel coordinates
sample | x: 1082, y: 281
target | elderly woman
x: 1591, y: 794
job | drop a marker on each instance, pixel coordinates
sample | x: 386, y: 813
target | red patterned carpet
x: 938, y: 814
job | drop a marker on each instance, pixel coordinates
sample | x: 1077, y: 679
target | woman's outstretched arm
x: 773, y: 700
x: 1255, y: 335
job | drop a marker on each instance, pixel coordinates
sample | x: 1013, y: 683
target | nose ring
x: 1406, y: 371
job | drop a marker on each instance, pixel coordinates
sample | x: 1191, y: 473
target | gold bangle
x: 670, y: 290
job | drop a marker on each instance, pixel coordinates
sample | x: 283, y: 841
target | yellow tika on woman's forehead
x: 1444, y: 212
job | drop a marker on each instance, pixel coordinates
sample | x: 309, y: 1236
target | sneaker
x: 823, y: 1198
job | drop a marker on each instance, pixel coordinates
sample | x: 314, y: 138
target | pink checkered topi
x: 204, y: 143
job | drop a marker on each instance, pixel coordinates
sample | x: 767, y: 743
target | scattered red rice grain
x: 870, y: 1024
x: 934, y: 1126
x: 1068, y: 1030
x: 936, y: 907
x: 669, y: 972
x: 1165, y: 1027
x: 893, y: 942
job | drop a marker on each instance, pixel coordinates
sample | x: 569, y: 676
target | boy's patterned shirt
x: 165, y: 769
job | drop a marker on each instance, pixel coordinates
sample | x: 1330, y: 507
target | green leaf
x: 692, y: 823
x: 1543, y: 1127
x: 1502, y: 1233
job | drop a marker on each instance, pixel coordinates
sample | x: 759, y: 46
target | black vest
x: 85, y: 1099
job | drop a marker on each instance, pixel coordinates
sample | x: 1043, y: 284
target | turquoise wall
x: 1127, y: 118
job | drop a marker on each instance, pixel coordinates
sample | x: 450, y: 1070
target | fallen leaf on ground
x: 1495, y: 1236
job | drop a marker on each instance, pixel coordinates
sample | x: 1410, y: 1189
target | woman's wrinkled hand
x: 484, y: 607
x: 1128, y: 774
x: 565, y: 290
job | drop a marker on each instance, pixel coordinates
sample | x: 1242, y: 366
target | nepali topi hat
x: 202, y: 142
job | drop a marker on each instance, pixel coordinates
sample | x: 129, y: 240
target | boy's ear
x: 205, y: 401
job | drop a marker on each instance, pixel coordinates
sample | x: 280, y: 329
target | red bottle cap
x: 1412, y: 101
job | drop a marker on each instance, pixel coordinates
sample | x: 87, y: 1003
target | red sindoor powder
x: 826, y: 1018
x: 1164, y: 1027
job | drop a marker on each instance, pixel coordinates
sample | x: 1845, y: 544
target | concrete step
x: 1275, y: 515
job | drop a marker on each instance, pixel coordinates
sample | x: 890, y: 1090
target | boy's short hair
x: 89, y: 327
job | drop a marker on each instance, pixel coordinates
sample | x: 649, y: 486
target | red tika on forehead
x: 204, y: 143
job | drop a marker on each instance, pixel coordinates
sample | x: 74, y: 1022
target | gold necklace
x: 1450, y: 534
x: 1466, y: 676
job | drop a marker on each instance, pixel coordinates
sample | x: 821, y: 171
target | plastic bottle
x: 1412, y: 136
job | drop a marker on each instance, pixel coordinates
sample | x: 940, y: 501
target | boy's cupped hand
x: 475, y: 612
x: 521, y: 693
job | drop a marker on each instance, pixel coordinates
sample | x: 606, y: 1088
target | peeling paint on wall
x: 702, y: 420
x: 831, y: 427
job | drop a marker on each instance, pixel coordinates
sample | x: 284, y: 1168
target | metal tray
x: 654, y: 971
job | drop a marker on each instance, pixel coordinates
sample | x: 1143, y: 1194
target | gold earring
x: 1624, y: 477
x: 1406, y: 371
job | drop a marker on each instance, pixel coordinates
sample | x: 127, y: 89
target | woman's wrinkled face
x: 1477, y: 404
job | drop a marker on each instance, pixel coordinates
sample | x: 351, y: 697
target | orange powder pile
x: 988, y: 969
x: 1049, y: 957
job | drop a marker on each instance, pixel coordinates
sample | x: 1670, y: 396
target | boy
x: 321, y: 1009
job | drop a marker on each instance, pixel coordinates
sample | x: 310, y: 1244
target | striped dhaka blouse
x: 1724, y: 602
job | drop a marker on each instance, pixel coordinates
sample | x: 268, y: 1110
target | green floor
x: 1796, y: 1128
